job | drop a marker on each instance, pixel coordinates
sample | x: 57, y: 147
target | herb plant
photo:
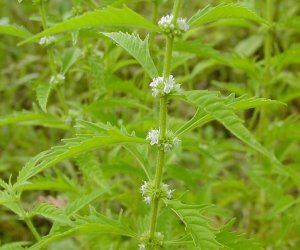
x: 166, y: 141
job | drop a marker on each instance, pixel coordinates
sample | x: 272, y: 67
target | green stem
x: 162, y: 127
x: 267, y: 57
x: 50, y: 53
x: 32, y: 229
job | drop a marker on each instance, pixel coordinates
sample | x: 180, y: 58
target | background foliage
x: 83, y: 193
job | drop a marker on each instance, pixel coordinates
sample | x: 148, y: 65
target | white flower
x: 169, y: 84
x: 57, y: 79
x: 46, y: 40
x: 167, y: 25
x: 166, y: 21
x: 182, y: 24
x: 142, y: 247
x: 155, y: 84
x: 144, y: 187
x: 170, y: 193
x: 176, y: 141
x: 161, y: 86
x: 147, y: 200
x: 153, y: 136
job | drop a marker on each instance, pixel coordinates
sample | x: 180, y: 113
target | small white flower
x: 153, y: 136
x: 173, y: 30
x: 155, y: 84
x: 170, y: 193
x: 169, y: 84
x: 161, y: 86
x: 57, y: 79
x: 144, y: 187
x: 166, y: 21
x: 176, y: 141
x: 147, y: 200
x: 142, y: 247
x: 182, y: 24
x: 46, y: 40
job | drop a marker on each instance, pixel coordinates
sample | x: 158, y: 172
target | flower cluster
x: 169, y: 142
x: 153, y: 243
x: 59, y: 78
x: 46, y: 40
x: 172, y: 29
x: 162, y: 86
x: 149, y: 191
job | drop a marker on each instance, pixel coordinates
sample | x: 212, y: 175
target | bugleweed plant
x: 152, y: 156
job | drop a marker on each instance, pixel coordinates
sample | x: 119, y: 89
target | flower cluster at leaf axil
x: 162, y: 86
x: 58, y: 79
x: 149, y: 192
x: 167, y: 144
x: 153, y: 243
x: 46, y: 40
x: 171, y: 28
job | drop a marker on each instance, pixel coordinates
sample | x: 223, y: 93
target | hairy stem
x: 162, y: 126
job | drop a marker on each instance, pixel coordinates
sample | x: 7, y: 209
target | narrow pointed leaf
x: 104, y: 17
x: 138, y: 48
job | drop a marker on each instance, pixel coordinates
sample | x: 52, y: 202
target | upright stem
x: 32, y: 229
x: 51, y: 59
x: 162, y: 125
x: 268, y: 42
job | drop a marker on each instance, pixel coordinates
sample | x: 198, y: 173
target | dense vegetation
x: 138, y: 124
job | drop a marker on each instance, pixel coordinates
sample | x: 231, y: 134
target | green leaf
x: 14, y: 245
x: 72, y: 147
x: 51, y: 212
x: 10, y: 202
x: 42, y: 94
x: 138, y: 48
x: 69, y: 57
x: 81, y: 202
x: 33, y: 118
x: 82, y: 229
x: 235, y: 241
x: 222, y: 11
x: 103, y: 17
x: 213, y: 104
x: 284, y: 203
x: 241, y: 103
x: 195, y: 224
x: 14, y: 30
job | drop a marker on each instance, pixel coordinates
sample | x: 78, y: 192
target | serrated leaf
x: 222, y: 11
x: 42, y: 94
x: 51, y: 212
x: 14, y: 30
x: 81, y: 202
x: 235, y: 241
x: 284, y: 203
x: 213, y: 104
x: 83, y: 229
x: 69, y: 57
x: 196, y: 224
x: 241, y: 103
x: 14, y: 245
x: 10, y: 202
x: 104, y: 17
x: 33, y: 118
x: 138, y: 48
x: 72, y: 147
